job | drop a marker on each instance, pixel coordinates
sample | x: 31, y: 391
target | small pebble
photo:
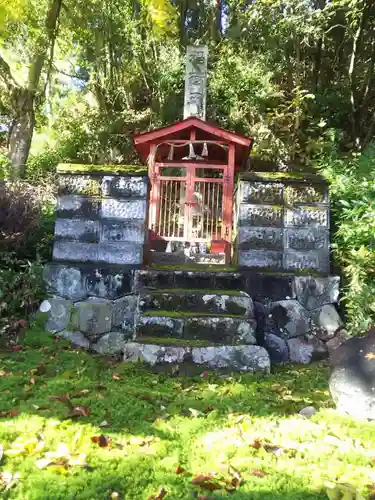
x: 308, y: 412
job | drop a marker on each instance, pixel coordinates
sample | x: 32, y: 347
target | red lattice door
x: 190, y: 204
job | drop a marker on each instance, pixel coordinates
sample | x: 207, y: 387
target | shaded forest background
x: 78, y: 78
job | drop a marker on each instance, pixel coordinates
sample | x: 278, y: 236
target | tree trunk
x: 21, y: 132
x: 352, y: 74
x: 22, y: 129
x: 183, y: 11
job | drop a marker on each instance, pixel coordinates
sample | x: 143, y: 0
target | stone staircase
x: 197, y: 317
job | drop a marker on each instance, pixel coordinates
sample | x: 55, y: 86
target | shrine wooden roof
x: 204, y: 131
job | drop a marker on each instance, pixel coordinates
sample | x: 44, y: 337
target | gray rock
x: 76, y: 338
x: 110, y: 343
x: 308, y: 412
x: 260, y: 237
x: 238, y: 358
x: 124, y: 253
x: 313, y: 260
x: 352, y: 380
x: 65, y: 281
x: 124, y: 187
x: 277, y: 348
x: 306, y: 239
x: 75, y: 251
x: 78, y: 207
x: 58, y: 314
x: 352, y: 395
x: 158, y: 326
x: 246, y: 332
x: 335, y: 342
x: 154, y: 354
x: 92, y: 317
x: 220, y: 329
x: 77, y: 229
x: 112, y: 208
x: 268, y: 259
x: 290, y: 317
x: 210, y: 303
x: 119, y: 231
x: 314, y: 292
x: 327, y: 321
x: 307, y: 216
x: 123, y: 313
x: 304, y: 351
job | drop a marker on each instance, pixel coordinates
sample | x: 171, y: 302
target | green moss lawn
x: 75, y: 426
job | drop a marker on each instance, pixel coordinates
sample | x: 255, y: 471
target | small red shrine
x: 192, y: 167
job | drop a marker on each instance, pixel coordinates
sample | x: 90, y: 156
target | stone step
x: 216, y: 329
x: 181, y: 258
x: 246, y: 358
x: 161, y: 279
x: 198, y: 301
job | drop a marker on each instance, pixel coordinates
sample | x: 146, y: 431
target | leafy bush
x: 4, y: 166
x: 353, y: 214
x: 26, y: 232
x: 21, y: 290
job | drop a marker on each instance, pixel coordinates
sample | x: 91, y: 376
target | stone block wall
x: 99, y: 241
x: 283, y: 223
x: 101, y: 218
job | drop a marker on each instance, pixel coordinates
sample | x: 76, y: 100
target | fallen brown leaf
x: 180, y: 470
x: 38, y: 370
x: 145, y: 397
x: 162, y: 494
x: 270, y: 448
x: 256, y: 444
x: 209, y: 409
x: 9, y: 413
x: 80, y: 394
x: 16, y: 348
x: 236, y: 480
x: 205, y: 482
x: 258, y: 473
x: 63, y: 399
x: 201, y: 478
x: 80, y: 411
x: 40, y: 408
x: 102, y: 441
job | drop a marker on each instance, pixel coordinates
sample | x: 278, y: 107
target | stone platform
x: 262, y: 310
x: 168, y: 315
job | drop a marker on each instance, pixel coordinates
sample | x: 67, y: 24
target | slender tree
x: 24, y: 98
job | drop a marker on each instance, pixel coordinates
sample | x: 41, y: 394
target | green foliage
x: 352, y: 181
x: 21, y: 290
x: 26, y: 232
x: 4, y: 167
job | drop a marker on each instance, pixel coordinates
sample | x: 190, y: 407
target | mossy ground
x: 218, y: 268
x: 188, y: 291
x: 159, y: 422
x: 188, y: 314
x: 71, y: 168
x: 175, y: 342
